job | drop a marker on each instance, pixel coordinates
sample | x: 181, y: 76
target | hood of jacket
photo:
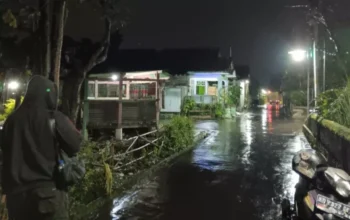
x: 41, y: 93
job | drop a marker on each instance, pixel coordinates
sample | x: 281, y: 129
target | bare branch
x: 100, y: 54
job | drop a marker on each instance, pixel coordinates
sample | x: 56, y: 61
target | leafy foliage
x: 232, y: 96
x: 325, y: 100
x: 218, y: 110
x: 188, y: 105
x: 178, y: 134
x: 94, y: 183
x: 9, y: 19
x: 105, y: 174
x: 9, y: 108
x: 298, y: 98
x: 340, y: 107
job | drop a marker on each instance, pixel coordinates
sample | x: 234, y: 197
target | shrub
x: 98, y: 178
x: 100, y: 181
x: 298, y: 98
x: 262, y: 100
x: 178, y: 134
x: 187, y: 106
x: 325, y: 100
x: 9, y: 107
x: 231, y: 97
x: 218, y: 110
x: 339, y: 109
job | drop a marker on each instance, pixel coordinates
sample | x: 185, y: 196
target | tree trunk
x: 71, y: 89
x: 71, y: 96
x: 57, y: 40
x: 45, y: 38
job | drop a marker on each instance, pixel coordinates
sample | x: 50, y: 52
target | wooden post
x: 86, y: 109
x: 158, y: 99
x: 119, y: 130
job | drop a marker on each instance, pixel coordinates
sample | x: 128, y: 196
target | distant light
x: 298, y: 55
x: 268, y: 92
x: 263, y: 91
x: 247, y: 81
x: 114, y: 77
x: 13, y: 85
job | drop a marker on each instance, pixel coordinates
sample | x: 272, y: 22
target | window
x: 110, y: 90
x: 212, y: 87
x: 200, y: 88
x: 143, y: 91
x: 213, y: 84
x: 91, y: 90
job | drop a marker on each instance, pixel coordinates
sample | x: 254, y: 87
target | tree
x: 77, y: 55
x: 46, y: 22
x: 329, y: 15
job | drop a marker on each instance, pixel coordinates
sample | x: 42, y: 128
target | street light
x: 114, y: 77
x: 13, y: 85
x: 263, y: 91
x: 298, y: 55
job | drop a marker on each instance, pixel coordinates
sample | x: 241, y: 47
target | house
x: 122, y: 100
x: 202, y: 87
x: 176, y: 74
x: 202, y: 75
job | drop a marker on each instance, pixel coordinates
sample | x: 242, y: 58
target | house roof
x: 174, y: 61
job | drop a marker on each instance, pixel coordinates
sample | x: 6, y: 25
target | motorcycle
x: 323, y: 192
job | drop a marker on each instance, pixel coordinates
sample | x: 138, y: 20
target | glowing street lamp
x: 298, y: 55
x: 13, y: 85
x: 114, y: 77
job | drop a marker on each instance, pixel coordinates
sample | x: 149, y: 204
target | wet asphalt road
x: 240, y: 172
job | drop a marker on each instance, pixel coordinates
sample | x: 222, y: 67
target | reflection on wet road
x: 240, y: 172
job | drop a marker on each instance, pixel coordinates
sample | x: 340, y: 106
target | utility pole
x: 314, y: 6
x: 324, y: 64
x: 308, y: 82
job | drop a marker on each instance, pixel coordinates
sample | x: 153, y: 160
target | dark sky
x: 259, y: 31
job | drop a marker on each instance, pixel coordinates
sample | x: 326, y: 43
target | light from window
x: 200, y: 88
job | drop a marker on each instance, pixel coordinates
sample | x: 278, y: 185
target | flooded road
x: 241, y: 171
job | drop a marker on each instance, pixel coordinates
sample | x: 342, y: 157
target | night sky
x: 259, y: 31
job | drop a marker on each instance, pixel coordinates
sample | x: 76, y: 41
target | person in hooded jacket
x: 29, y: 154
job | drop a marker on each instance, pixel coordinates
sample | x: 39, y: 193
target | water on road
x: 241, y: 171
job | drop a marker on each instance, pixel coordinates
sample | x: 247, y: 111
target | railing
x: 203, y: 99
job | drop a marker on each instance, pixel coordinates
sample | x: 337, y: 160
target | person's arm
x: 68, y: 137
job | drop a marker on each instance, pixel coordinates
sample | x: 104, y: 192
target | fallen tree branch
x: 131, y: 162
x: 150, y: 142
x: 142, y: 135
x: 132, y: 144
x: 139, y: 148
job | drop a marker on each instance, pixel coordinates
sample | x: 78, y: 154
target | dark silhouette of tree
x: 76, y: 57
x: 45, y: 24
